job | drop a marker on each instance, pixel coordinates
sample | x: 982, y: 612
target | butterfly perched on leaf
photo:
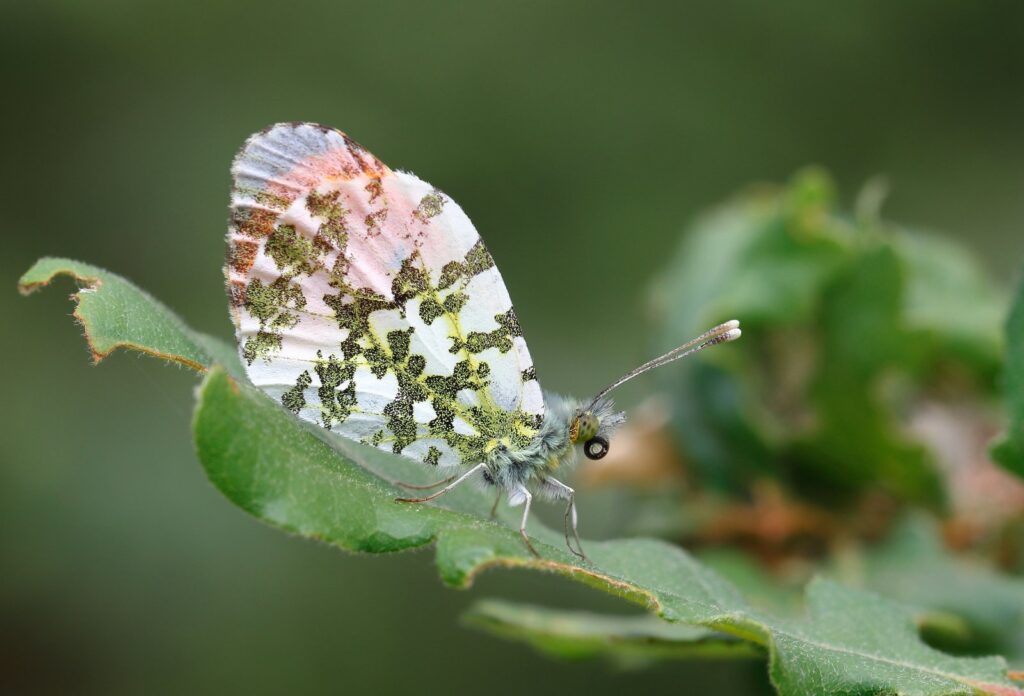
x: 365, y: 301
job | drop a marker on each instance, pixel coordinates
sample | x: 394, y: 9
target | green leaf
x: 630, y: 641
x: 298, y: 479
x: 851, y: 642
x: 855, y: 642
x: 266, y: 462
x: 760, y: 587
x: 115, y: 314
x: 914, y: 566
x: 856, y: 442
x: 275, y: 467
x: 763, y: 257
x: 950, y: 304
x: 847, y: 321
x: 1009, y: 451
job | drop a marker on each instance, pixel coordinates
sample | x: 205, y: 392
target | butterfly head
x: 593, y: 425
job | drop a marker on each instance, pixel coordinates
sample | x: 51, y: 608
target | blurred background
x: 581, y: 138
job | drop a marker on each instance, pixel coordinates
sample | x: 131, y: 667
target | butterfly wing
x: 365, y: 301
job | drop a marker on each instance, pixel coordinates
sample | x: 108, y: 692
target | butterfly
x: 365, y: 302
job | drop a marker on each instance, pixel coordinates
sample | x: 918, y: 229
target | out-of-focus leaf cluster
x: 1009, y: 450
x: 860, y: 337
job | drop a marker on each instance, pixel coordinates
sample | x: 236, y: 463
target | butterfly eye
x: 584, y: 427
x: 596, y: 447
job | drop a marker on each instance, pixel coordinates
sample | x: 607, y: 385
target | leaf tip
x: 44, y: 270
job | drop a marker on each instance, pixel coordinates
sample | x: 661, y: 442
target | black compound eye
x: 596, y: 447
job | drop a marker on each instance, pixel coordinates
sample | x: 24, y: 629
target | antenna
x: 729, y: 331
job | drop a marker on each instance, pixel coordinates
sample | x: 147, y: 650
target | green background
x: 579, y: 136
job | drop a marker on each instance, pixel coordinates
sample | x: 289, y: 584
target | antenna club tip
x: 729, y: 331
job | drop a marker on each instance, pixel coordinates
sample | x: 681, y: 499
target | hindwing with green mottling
x: 365, y: 301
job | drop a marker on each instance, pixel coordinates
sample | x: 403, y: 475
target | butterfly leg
x: 476, y: 469
x: 494, y: 508
x: 528, y: 498
x: 415, y: 487
x: 569, y: 494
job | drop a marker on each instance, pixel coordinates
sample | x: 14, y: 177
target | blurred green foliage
x: 631, y: 641
x: 848, y: 322
x: 1009, y: 450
